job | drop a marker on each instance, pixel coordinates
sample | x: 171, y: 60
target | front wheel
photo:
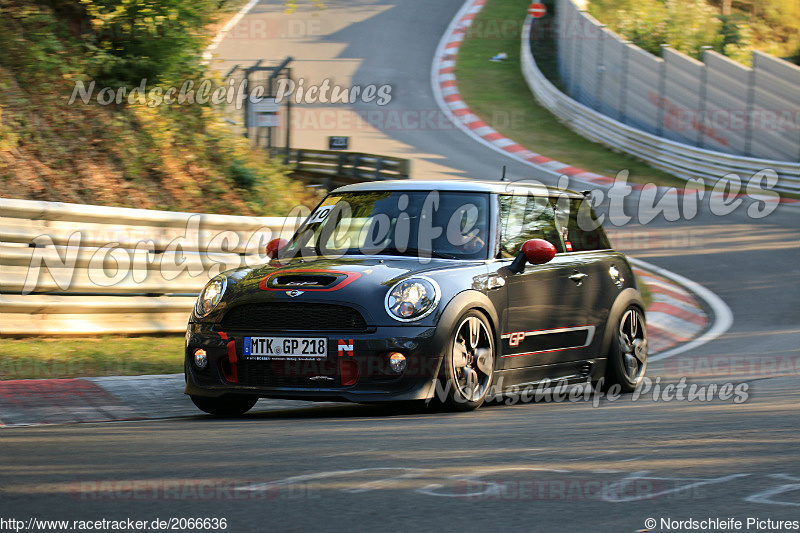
x: 469, y: 362
x: 225, y: 405
x: 627, y: 357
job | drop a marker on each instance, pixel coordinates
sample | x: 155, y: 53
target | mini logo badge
x: 294, y: 293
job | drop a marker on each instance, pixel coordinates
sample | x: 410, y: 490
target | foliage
x: 175, y: 157
x: 242, y: 175
x: 685, y: 25
x: 157, y: 40
x: 775, y: 25
x: 691, y: 24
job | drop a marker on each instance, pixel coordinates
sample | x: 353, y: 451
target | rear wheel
x: 225, y: 405
x: 469, y: 362
x: 627, y: 357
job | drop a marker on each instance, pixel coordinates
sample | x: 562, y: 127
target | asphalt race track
x: 541, y: 466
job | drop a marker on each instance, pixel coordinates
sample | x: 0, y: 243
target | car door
x: 588, y: 255
x: 545, y: 325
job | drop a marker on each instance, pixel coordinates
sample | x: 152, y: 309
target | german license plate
x: 283, y: 347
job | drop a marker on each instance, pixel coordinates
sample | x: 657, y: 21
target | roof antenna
x: 503, y: 177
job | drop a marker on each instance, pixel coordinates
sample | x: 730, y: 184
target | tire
x: 627, y: 355
x: 469, y: 362
x: 225, y: 405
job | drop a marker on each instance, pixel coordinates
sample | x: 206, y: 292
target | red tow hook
x: 233, y: 375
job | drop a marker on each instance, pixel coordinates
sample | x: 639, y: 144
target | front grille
x: 288, y: 374
x: 294, y: 317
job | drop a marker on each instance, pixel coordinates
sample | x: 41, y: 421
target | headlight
x: 412, y: 299
x: 211, y: 295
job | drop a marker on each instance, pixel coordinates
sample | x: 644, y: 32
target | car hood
x: 359, y: 281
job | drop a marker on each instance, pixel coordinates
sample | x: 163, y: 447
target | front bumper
x: 229, y: 371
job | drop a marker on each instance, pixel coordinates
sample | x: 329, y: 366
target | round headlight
x: 211, y: 295
x: 412, y: 299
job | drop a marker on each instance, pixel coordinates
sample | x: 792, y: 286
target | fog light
x: 397, y: 361
x: 200, y: 358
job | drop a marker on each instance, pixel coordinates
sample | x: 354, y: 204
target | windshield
x: 449, y: 225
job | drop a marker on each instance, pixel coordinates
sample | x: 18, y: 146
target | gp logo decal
x: 344, y: 279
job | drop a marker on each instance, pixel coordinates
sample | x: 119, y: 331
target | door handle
x: 577, y: 277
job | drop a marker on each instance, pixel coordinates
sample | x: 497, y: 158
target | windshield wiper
x: 416, y: 252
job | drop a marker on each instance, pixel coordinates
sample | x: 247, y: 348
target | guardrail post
x: 355, y: 163
x: 623, y: 79
x: 598, y: 95
x: 577, y: 52
x: 340, y: 164
x: 702, y: 107
x: 378, y: 167
x: 751, y: 98
x: 662, y: 82
x: 404, y: 168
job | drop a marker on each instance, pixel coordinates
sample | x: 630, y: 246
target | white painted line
x: 458, y: 37
x: 502, y: 143
x: 670, y: 288
x: 225, y: 29
x: 437, y: 64
x: 723, y: 316
x: 484, y: 130
x: 673, y: 323
x: 674, y: 302
x: 553, y: 166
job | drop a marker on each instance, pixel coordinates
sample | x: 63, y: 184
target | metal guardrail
x: 333, y: 168
x: 82, y: 269
x: 78, y: 269
x: 683, y: 161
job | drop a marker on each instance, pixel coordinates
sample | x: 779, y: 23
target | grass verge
x: 52, y: 358
x: 498, y: 93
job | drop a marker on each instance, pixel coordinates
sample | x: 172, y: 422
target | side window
x: 524, y: 218
x: 579, y: 229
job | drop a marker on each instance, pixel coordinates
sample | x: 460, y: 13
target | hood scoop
x: 311, y: 281
x: 307, y: 280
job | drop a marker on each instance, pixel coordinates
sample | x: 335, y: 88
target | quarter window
x: 579, y: 227
x: 526, y: 217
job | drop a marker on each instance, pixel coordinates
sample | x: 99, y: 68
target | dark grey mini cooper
x: 415, y: 290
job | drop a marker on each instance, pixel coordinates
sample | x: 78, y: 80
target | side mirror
x: 538, y: 251
x: 535, y: 252
x: 275, y: 246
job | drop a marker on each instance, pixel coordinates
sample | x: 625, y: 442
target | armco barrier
x: 333, y: 168
x: 78, y: 269
x: 682, y: 160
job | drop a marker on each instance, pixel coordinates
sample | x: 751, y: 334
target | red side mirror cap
x: 538, y: 251
x: 275, y: 246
